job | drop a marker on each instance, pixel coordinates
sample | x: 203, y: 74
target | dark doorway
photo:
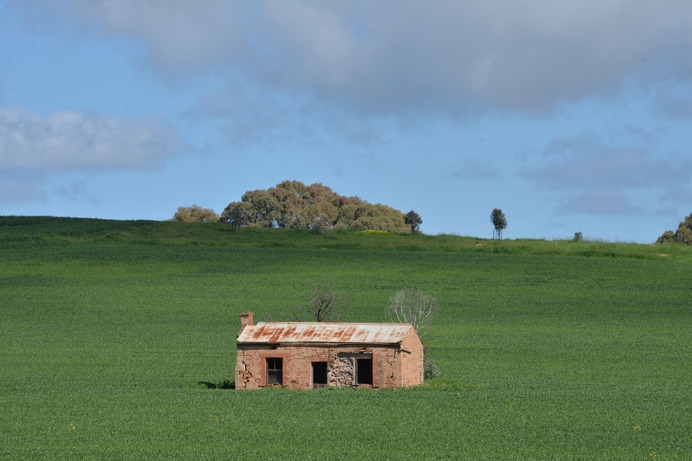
x: 274, y: 371
x: 364, y: 371
x: 319, y: 375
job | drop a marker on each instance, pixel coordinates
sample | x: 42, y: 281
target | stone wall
x: 343, y: 370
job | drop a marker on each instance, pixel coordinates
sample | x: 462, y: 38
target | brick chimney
x: 245, y: 320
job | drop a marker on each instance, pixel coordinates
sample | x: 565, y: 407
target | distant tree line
x: 293, y: 205
x: 682, y: 235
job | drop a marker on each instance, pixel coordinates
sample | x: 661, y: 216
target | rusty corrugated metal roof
x: 323, y: 332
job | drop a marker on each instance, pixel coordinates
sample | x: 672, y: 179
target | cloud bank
x: 71, y: 140
x: 33, y: 146
x: 385, y: 58
x: 592, y: 176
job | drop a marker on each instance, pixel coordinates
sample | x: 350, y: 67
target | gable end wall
x: 411, y: 359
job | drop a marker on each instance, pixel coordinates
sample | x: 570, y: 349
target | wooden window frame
x: 274, y: 374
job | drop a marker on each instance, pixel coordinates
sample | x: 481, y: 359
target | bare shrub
x: 413, y: 306
x: 320, y: 305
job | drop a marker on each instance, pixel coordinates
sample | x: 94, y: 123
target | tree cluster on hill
x: 195, y: 213
x: 292, y: 204
x: 682, y: 235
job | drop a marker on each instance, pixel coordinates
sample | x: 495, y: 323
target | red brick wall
x: 391, y: 367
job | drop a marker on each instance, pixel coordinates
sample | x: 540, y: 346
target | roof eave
x: 315, y: 343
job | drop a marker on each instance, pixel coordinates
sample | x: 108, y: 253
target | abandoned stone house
x: 308, y: 355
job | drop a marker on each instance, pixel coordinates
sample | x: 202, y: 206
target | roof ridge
x: 336, y: 332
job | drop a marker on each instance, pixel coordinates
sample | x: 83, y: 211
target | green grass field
x: 114, y: 333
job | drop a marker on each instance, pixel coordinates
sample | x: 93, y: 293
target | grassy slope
x: 556, y: 350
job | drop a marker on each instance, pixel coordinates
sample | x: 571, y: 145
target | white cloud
x: 19, y: 186
x: 33, y: 148
x: 449, y: 57
x: 675, y: 102
x: 69, y: 140
x: 586, y: 161
x: 600, y: 202
x: 476, y: 169
x: 591, y: 176
x: 246, y: 115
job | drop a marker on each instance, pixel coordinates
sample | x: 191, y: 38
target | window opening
x: 364, y: 371
x: 274, y: 371
x: 319, y: 375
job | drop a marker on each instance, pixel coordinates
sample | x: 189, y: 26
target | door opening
x: 364, y: 371
x: 319, y: 375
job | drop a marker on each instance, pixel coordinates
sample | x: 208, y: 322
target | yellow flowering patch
x: 375, y: 232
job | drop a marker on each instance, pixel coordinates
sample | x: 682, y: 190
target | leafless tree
x: 413, y: 306
x: 321, y: 305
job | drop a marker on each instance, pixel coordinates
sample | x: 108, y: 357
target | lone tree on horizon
x: 414, y: 220
x: 497, y: 217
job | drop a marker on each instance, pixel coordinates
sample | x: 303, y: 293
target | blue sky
x: 571, y: 116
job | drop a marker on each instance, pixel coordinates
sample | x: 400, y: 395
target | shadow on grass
x: 225, y: 384
x: 450, y: 384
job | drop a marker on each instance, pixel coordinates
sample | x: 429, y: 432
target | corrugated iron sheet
x: 323, y: 332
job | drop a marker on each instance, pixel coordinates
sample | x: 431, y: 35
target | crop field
x: 117, y: 336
